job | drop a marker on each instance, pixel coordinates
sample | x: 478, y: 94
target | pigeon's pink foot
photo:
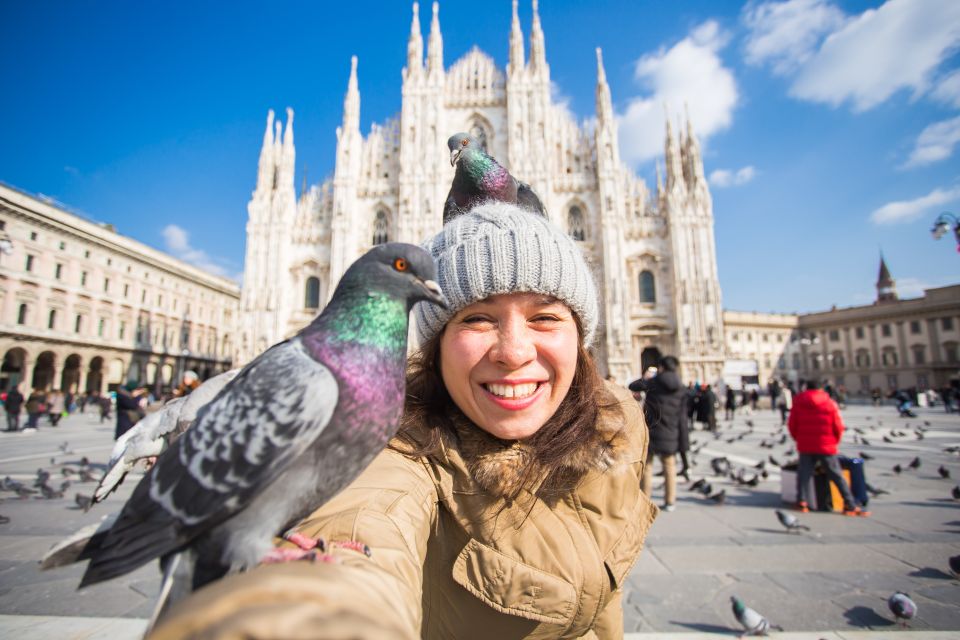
x: 279, y: 556
x: 304, y: 542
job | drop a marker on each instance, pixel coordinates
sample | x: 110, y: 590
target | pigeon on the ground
x: 865, y: 456
x: 289, y: 432
x: 719, y: 497
x: 42, y: 477
x: 84, y: 502
x: 752, y: 622
x: 4, y: 519
x: 790, y: 521
x: 956, y: 492
x: 944, y: 472
x: 915, y: 463
x: 773, y: 461
x: 875, y: 491
x: 902, y: 607
x: 480, y: 178
x: 698, y: 484
x: 897, y: 469
x: 887, y: 439
x: 955, y: 565
x: 151, y: 435
x: 865, y: 442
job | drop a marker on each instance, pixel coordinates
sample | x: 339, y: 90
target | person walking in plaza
x: 665, y: 408
x: 816, y: 426
x: 514, y: 459
x: 730, y: 405
x: 36, y: 407
x: 55, y: 407
x: 13, y: 404
x: 784, y: 403
x: 773, y: 388
x: 707, y: 408
x: 754, y: 399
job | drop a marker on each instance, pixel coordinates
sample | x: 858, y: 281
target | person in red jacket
x: 816, y: 426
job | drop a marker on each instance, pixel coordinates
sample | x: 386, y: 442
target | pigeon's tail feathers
x: 176, y: 584
x: 70, y: 550
x: 125, y: 548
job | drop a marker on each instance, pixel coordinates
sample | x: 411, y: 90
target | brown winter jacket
x: 449, y: 559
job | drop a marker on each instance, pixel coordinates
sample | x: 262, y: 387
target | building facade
x: 652, y: 250
x: 83, y: 308
x: 890, y: 344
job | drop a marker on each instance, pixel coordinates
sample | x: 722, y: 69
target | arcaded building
x: 83, y: 308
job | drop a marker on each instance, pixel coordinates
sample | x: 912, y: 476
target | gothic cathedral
x: 653, y: 254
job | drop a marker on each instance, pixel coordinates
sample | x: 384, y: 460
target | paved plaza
x: 830, y: 583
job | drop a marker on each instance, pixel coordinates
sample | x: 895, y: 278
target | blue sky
x: 829, y: 127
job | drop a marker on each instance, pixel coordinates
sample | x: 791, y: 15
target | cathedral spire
x: 694, y: 157
x: 415, y: 43
x: 671, y: 155
x: 604, y: 103
x: 351, y: 102
x: 538, y: 54
x: 288, y: 155
x: 516, y: 42
x: 266, y: 167
x: 886, y: 285
x: 435, y: 43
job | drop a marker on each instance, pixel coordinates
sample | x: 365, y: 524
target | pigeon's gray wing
x: 240, y: 443
x: 751, y: 620
x: 529, y: 200
x: 450, y: 208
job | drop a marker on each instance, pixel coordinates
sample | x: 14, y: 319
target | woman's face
x: 508, y: 361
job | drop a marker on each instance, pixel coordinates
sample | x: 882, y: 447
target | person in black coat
x: 13, y: 404
x: 665, y: 408
x: 707, y: 408
x: 129, y: 410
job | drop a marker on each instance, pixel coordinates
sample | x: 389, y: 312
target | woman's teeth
x: 512, y: 390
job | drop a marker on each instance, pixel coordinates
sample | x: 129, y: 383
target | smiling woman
x: 509, y: 504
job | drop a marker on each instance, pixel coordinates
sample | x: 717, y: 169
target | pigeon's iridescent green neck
x: 476, y: 164
x: 374, y: 319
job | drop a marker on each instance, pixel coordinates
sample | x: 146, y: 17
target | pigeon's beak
x: 434, y: 294
x: 454, y: 156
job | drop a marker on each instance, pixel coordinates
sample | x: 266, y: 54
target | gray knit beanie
x: 499, y: 248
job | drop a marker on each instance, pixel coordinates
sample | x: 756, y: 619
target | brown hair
x: 572, y: 426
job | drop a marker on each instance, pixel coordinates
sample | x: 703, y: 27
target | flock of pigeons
x: 901, y: 606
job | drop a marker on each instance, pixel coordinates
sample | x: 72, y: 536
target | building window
x: 892, y: 381
x: 126, y: 290
x: 919, y: 354
x: 109, y: 261
x: 63, y: 245
x: 86, y: 254
x: 312, y: 293
x: 839, y: 362
x: 648, y: 287
x: 106, y: 285
x: 766, y: 337
x: 781, y: 363
x: 52, y: 319
x: 78, y: 323
x: 834, y: 335
x: 83, y: 279
x: 101, y: 325
x: 858, y: 332
x: 33, y: 235
x: 915, y: 327
x: 381, y: 228
x: 29, y: 265
x: 889, y: 358
x: 950, y: 352
x: 885, y: 330
x: 22, y: 314
x: 796, y: 360
x: 575, y: 224
x: 123, y: 329
x: 815, y: 361
x: 159, y: 299
x: 58, y: 271
x: 946, y: 324
x: 143, y: 296
x: 862, y: 358
x: 864, y: 383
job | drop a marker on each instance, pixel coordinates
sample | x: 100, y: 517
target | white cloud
x: 906, y: 210
x: 935, y: 142
x: 728, y: 178
x: 786, y: 34
x: 691, y: 73
x: 948, y: 89
x: 178, y: 243
x: 897, y: 46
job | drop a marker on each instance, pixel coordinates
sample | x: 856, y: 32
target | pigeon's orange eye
x: 400, y: 264
x: 464, y: 142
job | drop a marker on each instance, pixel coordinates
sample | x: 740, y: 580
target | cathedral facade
x: 652, y: 251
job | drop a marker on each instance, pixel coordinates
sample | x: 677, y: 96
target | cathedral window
x: 575, y: 224
x: 478, y: 133
x: 312, y: 297
x: 648, y: 287
x: 380, y: 228
x: 22, y: 314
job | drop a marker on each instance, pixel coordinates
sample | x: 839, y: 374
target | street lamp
x: 942, y: 224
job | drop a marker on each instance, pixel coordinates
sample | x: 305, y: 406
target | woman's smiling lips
x: 513, y: 395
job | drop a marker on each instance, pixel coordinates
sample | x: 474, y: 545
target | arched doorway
x: 649, y: 357
x: 70, y: 378
x: 43, y: 371
x: 95, y: 376
x: 11, y: 373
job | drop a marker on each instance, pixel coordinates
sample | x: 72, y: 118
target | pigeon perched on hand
x: 290, y: 431
x: 752, y: 622
x: 790, y: 521
x: 151, y: 435
x: 902, y: 607
x: 479, y: 178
